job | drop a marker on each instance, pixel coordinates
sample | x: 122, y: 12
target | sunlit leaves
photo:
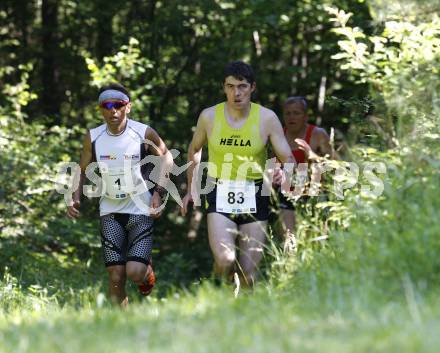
x: 124, y: 65
x: 399, y: 63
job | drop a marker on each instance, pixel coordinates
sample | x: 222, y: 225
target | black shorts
x: 284, y: 203
x: 126, y: 237
x: 262, y: 203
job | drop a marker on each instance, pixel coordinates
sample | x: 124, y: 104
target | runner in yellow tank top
x: 245, y: 144
x: 237, y: 133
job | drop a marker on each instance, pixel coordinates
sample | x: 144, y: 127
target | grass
x: 209, y: 319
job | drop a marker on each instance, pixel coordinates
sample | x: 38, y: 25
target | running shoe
x: 146, y: 287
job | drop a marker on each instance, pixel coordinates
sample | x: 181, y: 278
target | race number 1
x: 115, y: 187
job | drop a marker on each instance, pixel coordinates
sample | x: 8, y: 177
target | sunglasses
x: 116, y: 105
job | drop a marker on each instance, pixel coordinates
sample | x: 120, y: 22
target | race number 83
x: 235, y: 197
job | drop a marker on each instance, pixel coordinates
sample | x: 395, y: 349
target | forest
x: 365, y: 276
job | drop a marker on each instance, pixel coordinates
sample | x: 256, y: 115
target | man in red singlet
x: 304, y: 140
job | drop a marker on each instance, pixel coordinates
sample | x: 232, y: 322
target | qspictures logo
x: 344, y: 176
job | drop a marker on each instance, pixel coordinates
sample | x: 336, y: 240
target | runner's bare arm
x: 319, y: 146
x: 323, y: 144
x: 195, y: 147
x: 195, y: 155
x: 278, y: 140
x: 157, y: 147
x: 86, y: 158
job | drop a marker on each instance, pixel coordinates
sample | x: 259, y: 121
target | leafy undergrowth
x: 371, y: 287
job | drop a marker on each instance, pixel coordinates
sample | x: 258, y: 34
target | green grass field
x: 209, y: 319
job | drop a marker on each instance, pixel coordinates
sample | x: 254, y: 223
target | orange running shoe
x: 147, y: 287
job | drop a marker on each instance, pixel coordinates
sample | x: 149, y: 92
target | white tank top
x: 113, y: 153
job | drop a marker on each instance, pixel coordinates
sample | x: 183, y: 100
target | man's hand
x: 156, y: 202
x: 73, y: 210
x: 186, y: 201
x: 278, y: 176
x: 303, y: 145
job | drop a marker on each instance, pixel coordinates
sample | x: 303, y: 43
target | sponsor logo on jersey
x: 107, y: 157
x: 235, y: 140
x: 131, y: 156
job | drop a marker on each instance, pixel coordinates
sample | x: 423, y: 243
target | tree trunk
x: 104, y: 39
x: 50, y: 96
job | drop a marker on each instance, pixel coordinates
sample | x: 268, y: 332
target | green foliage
x: 409, y: 10
x: 391, y: 241
x: 127, y: 66
x: 399, y: 64
x: 35, y: 235
x: 383, y: 248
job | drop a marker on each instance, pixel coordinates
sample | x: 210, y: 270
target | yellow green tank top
x: 236, y: 154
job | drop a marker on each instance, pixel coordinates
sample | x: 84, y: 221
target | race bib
x: 235, y: 196
x: 115, y: 183
x: 119, y: 182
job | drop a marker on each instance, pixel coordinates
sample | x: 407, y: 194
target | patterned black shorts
x: 126, y: 237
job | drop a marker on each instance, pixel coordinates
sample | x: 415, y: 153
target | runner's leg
x: 222, y: 233
x: 251, y: 243
x: 137, y: 271
x: 288, y: 219
x: 117, y: 284
x: 113, y: 240
x: 140, y: 244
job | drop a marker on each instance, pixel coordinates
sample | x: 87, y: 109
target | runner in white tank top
x: 118, y: 146
x: 113, y: 153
